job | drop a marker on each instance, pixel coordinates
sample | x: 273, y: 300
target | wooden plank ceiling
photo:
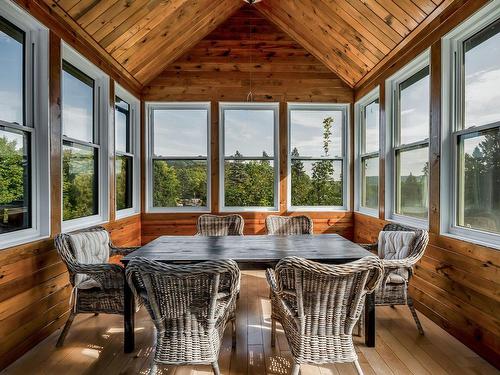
x: 348, y: 36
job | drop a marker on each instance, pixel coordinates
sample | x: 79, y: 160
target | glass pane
x: 124, y: 181
x: 122, y: 125
x: 77, y: 104
x: 11, y: 73
x: 80, y: 193
x: 180, y: 183
x: 180, y: 132
x: 414, y: 108
x: 249, y: 183
x: 15, y: 193
x: 412, y: 180
x: 249, y: 132
x: 316, y: 133
x: 369, y: 181
x: 316, y: 182
x: 482, y: 77
x: 371, y: 127
x: 479, y: 181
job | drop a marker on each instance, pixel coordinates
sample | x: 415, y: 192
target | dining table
x: 250, y: 252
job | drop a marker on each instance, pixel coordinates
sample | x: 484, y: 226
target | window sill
x: 82, y: 223
x: 367, y: 212
x: 317, y: 209
x: 248, y: 209
x: 20, y: 237
x: 412, y: 222
x: 178, y: 210
x: 473, y: 236
x: 122, y: 214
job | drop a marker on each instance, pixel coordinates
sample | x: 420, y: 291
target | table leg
x: 370, y: 320
x: 128, y: 319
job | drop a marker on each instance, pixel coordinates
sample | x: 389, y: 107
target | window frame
x: 345, y: 109
x: 134, y: 152
x: 36, y: 123
x: 452, y: 125
x: 99, y: 143
x: 360, y: 156
x: 149, y: 136
x: 392, y: 139
x: 274, y: 106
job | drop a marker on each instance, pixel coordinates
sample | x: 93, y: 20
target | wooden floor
x: 95, y: 346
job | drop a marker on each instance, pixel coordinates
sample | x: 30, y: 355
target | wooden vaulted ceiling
x: 143, y: 37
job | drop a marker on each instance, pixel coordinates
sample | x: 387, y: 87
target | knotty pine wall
x: 457, y: 283
x: 218, y: 69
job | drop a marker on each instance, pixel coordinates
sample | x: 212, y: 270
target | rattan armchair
x: 214, y: 225
x: 393, y: 289
x: 288, y: 225
x: 318, y: 306
x: 97, y: 286
x: 190, y: 306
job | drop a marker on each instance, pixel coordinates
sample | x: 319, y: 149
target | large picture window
x: 317, y: 149
x: 249, y: 162
x: 179, y: 156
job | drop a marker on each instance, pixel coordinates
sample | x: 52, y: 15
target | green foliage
x: 11, y: 172
x: 123, y: 167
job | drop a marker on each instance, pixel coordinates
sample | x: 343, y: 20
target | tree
x: 301, y: 182
x: 166, y: 185
x: 12, y: 175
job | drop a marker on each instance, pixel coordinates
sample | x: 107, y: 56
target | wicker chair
x: 97, y: 285
x: 190, y: 306
x: 318, y: 306
x: 393, y: 289
x: 288, y: 225
x: 214, y: 225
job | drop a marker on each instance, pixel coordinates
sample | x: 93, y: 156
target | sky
x: 11, y: 79
x: 415, y: 112
x: 372, y: 120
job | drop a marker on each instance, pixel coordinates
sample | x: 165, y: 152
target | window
x: 249, y: 163
x: 179, y: 165
x: 367, y: 163
x: 84, y: 151
x: 472, y: 52
x: 126, y: 148
x: 317, y: 161
x: 24, y: 143
x: 409, y: 157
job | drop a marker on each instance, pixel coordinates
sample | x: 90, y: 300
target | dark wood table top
x: 250, y: 252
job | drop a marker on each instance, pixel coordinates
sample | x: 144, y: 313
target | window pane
x: 249, y: 183
x: 15, y: 189
x: 180, y: 132
x: 371, y: 127
x: 412, y: 182
x: 316, y: 182
x: 124, y: 181
x: 482, y: 77
x: 80, y: 194
x: 11, y: 73
x: 249, y: 132
x: 180, y: 183
x: 479, y: 181
x: 369, y: 180
x: 77, y: 104
x: 414, y: 108
x: 122, y: 125
x: 310, y: 129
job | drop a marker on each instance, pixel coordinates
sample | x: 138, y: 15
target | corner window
x: 249, y: 156
x: 179, y: 166
x: 317, y: 156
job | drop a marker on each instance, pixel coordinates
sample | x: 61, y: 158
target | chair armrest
x: 271, y: 279
x: 113, y: 250
x: 372, y: 247
x: 110, y: 276
x: 397, y: 263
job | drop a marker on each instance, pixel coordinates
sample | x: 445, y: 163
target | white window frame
x: 452, y: 50
x: 101, y: 124
x: 134, y: 153
x: 359, y: 123
x: 36, y: 123
x: 150, y: 107
x: 222, y: 158
x: 345, y: 109
x: 391, y: 91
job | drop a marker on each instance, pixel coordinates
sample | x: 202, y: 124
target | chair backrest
x: 417, y: 247
x: 214, y: 225
x: 176, y: 294
x: 288, y: 225
x: 328, y: 297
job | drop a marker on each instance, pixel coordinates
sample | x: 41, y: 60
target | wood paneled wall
x: 457, y: 283
x: 220, y: 68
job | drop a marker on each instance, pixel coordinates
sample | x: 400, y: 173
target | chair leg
x: 233, y: 333
x: 215, y: 368
x: 273, y: 333
x: 65, y: 330
x: 358, y: 367
x: 96, y: 314
x: 296, y: 368
x: 409, y: 301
